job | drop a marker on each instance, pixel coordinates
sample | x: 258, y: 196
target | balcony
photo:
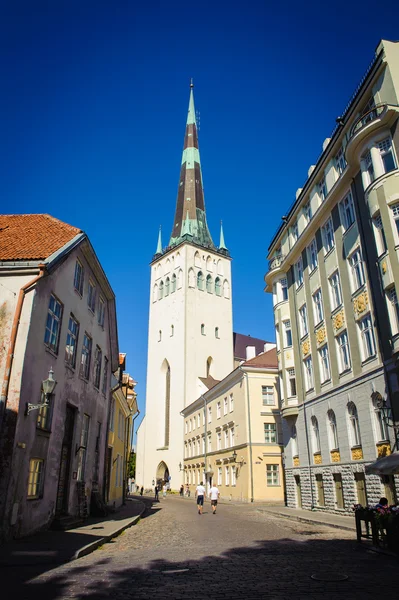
x: 382, y: 115
x: 289, y: 407
x: 276, y: 262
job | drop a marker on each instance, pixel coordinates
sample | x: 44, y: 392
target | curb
x: 309, y: 521
x: 89, y: 548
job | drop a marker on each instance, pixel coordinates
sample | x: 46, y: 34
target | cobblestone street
x: 241, y: 552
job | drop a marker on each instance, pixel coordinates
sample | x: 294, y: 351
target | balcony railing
x: 276, y: 262
x: 367, y: 118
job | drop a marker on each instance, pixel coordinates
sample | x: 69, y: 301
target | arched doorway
x: 162, y: 474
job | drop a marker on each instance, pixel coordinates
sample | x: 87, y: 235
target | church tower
x: 190, y: 337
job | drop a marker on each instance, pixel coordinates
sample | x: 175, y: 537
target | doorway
x: 298, y: 491
x: 65, y: 463
x: 339, y: 495
x: 360, y: 482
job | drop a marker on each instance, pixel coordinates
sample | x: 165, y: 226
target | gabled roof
x: 33, y: 237
x: 209, y: 381
x: 240, y: 343
x: 264, y: 360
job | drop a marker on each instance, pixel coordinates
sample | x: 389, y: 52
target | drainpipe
x: 14, y: 332
x: 205, y: 440
x: 250, y: 436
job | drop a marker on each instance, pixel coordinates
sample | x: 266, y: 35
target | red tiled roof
x: 33, y: 237
x: 266, y: 359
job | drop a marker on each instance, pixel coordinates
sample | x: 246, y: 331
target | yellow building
x: 123, y: 407
x: 232, y: 434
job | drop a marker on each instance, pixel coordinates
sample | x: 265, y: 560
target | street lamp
x: 234, y: 457
x: 386, y: 414
x: 48, y: 386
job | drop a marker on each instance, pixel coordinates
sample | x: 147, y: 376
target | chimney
x: 250, y: 352
x: 269, y: 346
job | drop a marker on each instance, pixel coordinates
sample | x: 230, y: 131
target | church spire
x: 190, y: 207
x: 159, y: 245
x: 222, y: 245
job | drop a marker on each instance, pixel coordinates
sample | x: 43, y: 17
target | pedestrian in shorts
x: 200, y: 494
x: 214, y: 496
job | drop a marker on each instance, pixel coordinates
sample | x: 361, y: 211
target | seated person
x: 383, y: 503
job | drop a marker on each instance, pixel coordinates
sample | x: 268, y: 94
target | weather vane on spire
x: 191, y: 83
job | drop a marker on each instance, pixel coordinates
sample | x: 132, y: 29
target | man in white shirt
x: 214, y: 496
x: 200, y: 494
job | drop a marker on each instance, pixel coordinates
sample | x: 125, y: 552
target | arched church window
x: 203, y: 329
x: 226, y: 289
x: 209, y: 264
x: 155, y: 293
x: 173, y: 282
x: 220, y: 267
x: 209, y: 366
x: 167, y: 266
x: 172, y: 330
x: 197, y: 259
x: 217, y: 332
x: 159, y: 271
x: 200, y: 280
x: 177, y: 261
x: 218, y: 287
x: 160, y: 291
x: 191, y: 278
x: 180, y: 279
x: 159, y: 335
x: 167, y: 286
x: 209, y: 284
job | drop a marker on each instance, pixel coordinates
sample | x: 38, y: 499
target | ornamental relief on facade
x: 305, y: 348
x: 357, y: 453
x: 321, y: 335
x: 360, y: 303
x: 339, y: 320
x: 335, y: 456
x: 295, y: 461
x: 383, y: 449
x: 317, y: 459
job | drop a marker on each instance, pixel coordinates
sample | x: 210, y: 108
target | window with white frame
x: 190, y: 452
x: 308, y: 367
x: 315, y: 435
x: 227, y: 475
x: 233, y: 475
x: 71, y: 342
x: 85, y: 357
x: 101, y: 311
x: 209, y: 414
x: 318, y: 306
x: 303, y: 320
x: 347, y: 210
x: 368, y: 341
x: 356, y: 263
x: 354, y: 428
x: 294, y: 232
x: 381, y: 430
x: 344, y: 357
x: 277, y: 338
x: 368, y: 167
x: 219, y: 475
x: 53, y: 324
x: 322, y: 189
x: 225, y: 406
x: 386, y: 153
x: 198, y: 446
x: 226, y: 438
x: 219, y: 440
x: 190, y: 425
x: 340, y: 162
x: 268, y: 395
x: 218, y: 410
x: 313, y: 260
x: 335, y: 289
x: 270, y: 433
x: 284, y: 289
x: 299, y: 273
x: 393, y: 309
x: 91, y: 296
x: 332, y: 430
x: 395, y: 215
x: 79, y: 277
x: 98, y: 356
x: 307, y: 211
x: 288, y: 334
x: 199, y: 420
x: 324, y: 358
x: 291, y: 382
x: 379, y: 234
x: 231, y: 402
x: 275, y: 297
x: 328, y: 235
x: 272, y: 475
x: 232, y: 436
x: 35, y: 478
x: 186, y: 427
x: 209, y: 443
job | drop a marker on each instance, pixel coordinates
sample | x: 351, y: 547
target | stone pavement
x: 317, y: 517
x: 239, y: 553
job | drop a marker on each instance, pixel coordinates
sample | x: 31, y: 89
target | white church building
x: 190, y: 335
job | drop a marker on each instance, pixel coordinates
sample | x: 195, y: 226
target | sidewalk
x: 309, y: 516
x: 57, y: 547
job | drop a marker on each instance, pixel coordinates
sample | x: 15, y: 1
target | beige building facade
x: 233, y: 436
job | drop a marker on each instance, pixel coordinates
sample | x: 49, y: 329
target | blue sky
x: 93, y: 111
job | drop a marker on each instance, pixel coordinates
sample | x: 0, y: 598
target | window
x: 225, y: 406
x: 36, y: 478
x: 344, y: 353
x: 98, y: 355
x: 199, y: 420
x: 356, y: 264
x: 167, y: 287
x: 380, y: 425
x: 288, y: 333
x: 192, y: 423
x: 218, y: 287
x: 218, y: 410
x: 209, y: 284
x: 71, y: 342
x: 232, y: 437
x: 209, y: 443
x: 219, y: 475
x: 160, y: 335
x: 322, y: 189
x: 284, y: 289
x: 227, y: 475
x: 121, y: 426
x: 270, y: 433
x: 45, y: 412
x: 85, y: 357
x: 198, y: 448
x: 226, y: 438
x: 332, y: 430
x: 386, y: 153
x: 233, y: 476
x: 308, y: 365
x: 217, y: 333
x: 101, y: 312
x: 84, y: 436
x: 368, y: 168
x: 209, y: 414
x: 53, y: 324
x: 272, y: 475
x: 79, y: 277
x: 335, y: 288
x: 268, y: 395
x: 186, y: 427
x: 312, y: 256
x: 291, y: 382
x: 231, y: 402
x: 368, y: 340
x: 354, y: 429
x: 303, y: 320
x: 219, y: 440
x: 299, y: 273
x: 160, y: 291
x: 307, y: 211
x: 203, y: 329
x: 172, y: 330
x: 173, y: 286
x: 200, y: 281
x: 379, y: 235
x: 347, y: 211
x: 294, y: 232
x: 318, y: 306
x: 315, y: 435
x: 395, y: 214
x: 91, y: 296
x: 324, y: 364
x: 340, y: 162
x: 393, y: 309
x: 203, y: 443
x: 277, y: 338
x: 328, y: 235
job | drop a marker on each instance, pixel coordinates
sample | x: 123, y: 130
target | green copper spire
x: 159, y: 245
x: 222, y: 245
x: 186, y: 226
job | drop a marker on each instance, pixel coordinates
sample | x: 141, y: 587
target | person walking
x: 141, y: 490
x: 214, y: 496
x: 199, y: 494
x: 164, y: 490
x: 181, y: 490
x: 156, y: 493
